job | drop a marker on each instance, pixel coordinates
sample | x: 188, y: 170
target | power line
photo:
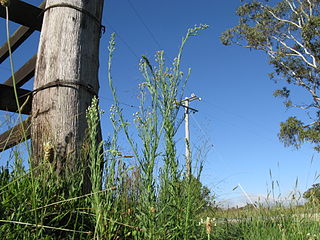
x: 144, y: 24
x: 255, y: 129
x: 201, y: 129
x: 237, y: 115
x: 125, y: 42
x: 122, y: 103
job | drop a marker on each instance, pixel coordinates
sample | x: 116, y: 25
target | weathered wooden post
x: 66, y: 78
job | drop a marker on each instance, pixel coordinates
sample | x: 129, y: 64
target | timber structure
x: 30, y: 18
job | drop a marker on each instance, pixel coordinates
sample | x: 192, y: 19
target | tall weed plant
x: 164, y: 207
x: 153, y: 199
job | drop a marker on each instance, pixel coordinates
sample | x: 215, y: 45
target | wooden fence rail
x: 8, y: 100
x: 15, y: 135
x: 30, y: 17
x: 23, y: 13
x: 24, y: 74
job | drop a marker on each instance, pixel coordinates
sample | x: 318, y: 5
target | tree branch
x: 304, y: 13
x: 311, y: 124
x: 314, y: 95
x: 299, y: 82
x: 304, y: 48
x: 295, y: 51
x: 305, y: 107
x: 310, y: 8
x: 292, y: 7
x: 284, y: 20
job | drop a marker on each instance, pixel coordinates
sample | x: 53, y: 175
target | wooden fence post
x: 66, y: 78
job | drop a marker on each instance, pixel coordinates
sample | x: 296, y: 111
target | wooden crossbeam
x: 17, y: 38
x: 23, y: 13
x: 15, y: 135
x: 31, y: 18
x: 8, y: 102
x: 24, y: 74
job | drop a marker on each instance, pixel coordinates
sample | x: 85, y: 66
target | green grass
x: 150, y: 199
x: 267, y: 222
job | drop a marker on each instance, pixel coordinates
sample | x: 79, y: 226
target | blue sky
x: 238, y: 115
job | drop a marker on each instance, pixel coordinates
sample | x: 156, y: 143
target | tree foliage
x: 289, y: 32
x: 313, y: 193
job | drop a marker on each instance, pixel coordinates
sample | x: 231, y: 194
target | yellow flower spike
x: 48, y: 152
x: 208, y: 225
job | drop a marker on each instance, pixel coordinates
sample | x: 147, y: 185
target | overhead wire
x: 235, y: 124
x: 132, y: 52
x: 144, y: 24
x: 148, y: 29
x: 122, y: 103
x: 124, y: 41
x: 201, y: 129
x: 128, y: 45
x: 237, y: 115
x: 220, y: 158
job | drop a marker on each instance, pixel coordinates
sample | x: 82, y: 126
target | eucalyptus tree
x: 313, y: 193
x: 288, y: 32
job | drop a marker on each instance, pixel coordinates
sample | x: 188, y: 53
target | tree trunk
x: 66, y: 79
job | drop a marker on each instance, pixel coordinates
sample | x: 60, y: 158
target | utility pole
x: 185, y: 103
x: 66, y: 79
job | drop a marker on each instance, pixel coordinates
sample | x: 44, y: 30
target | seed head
x: 48, y: 152
x: 152, y: 210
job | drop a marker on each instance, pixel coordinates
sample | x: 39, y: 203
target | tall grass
x: 163, y: 208
x: 267, y: 222
x: 153, y: 199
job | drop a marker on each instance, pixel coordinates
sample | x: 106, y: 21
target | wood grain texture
x: 68, y: 51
